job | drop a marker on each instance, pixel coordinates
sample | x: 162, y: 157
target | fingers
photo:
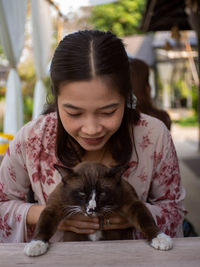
x: 116, y: 226
x: 80, y: 224
x: 79, y: 230
x: 81, y: 217
x: 117, y: 222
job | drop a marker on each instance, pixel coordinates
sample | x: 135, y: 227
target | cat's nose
x: 91, y: 210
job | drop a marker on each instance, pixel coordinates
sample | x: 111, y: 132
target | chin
x: 92, y: 147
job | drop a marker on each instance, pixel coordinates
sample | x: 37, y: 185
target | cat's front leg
x: 162, y: 242
x: 45, y: 228
x: 36, y: 248
x: 141, y: 218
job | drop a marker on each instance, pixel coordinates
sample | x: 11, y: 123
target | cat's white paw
x: 162, y: 242
x: 35, y: 248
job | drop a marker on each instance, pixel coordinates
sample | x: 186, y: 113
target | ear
x: 65, y: 172
x: 116, y: 172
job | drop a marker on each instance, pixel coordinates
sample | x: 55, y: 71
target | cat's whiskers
x: 71, y: 210
x: 109, y: 208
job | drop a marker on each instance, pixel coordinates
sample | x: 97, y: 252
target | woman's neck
x: 103, y: 156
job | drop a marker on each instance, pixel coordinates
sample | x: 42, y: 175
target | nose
x: 92, y: 210
x: 91, y: 126
x: 92, y: 205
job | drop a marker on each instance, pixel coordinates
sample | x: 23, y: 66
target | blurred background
x: 164, y: 34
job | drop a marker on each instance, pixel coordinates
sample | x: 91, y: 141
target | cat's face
x: 90, y: 188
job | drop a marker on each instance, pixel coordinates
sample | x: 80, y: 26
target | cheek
x: 114, y: 123
x: 70, y: 125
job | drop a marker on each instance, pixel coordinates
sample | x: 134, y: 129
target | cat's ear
x: 64, y: 171
x: 117, y: 172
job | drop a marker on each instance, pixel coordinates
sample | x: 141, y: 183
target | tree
x: 122, y: 17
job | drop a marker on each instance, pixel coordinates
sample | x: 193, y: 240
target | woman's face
x: 90, y: 111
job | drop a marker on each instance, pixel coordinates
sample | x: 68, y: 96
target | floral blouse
x: 31, y: 156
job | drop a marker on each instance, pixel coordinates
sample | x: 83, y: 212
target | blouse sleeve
x: 166, y: 194
x: 14, y: 185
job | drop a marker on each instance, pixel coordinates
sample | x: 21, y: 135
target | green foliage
x: 195, y: 98
x: 188, y: 122
x: 1, y: 50
x: 27, y: 76
x: 2, y: 55
x: 28, y: 108
x: 182, y: 88
x: 47, y: 83
x: 2, y: 92
x: 122, y: 17
x: 28, y: 79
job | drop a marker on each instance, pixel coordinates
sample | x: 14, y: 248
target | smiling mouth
x: 93, y: 141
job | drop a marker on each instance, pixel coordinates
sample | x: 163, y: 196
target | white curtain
x: 12, y: 22
x: 41, y: 25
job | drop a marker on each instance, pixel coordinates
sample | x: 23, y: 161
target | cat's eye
x: 81, y: 194
x: 103, y: 194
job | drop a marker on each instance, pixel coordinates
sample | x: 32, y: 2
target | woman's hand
x: 81, y: 224
x: 116, y: 222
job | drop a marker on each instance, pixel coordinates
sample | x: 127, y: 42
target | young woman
x: 93, y: 118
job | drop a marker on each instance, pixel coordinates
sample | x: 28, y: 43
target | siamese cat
x: 92, y: 189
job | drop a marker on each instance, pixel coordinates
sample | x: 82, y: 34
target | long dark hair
x: 142, y: 90
x: 82, y: 56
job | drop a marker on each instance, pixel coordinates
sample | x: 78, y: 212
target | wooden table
x: 186, y: 253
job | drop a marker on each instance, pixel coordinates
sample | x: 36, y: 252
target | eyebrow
x: 71, y: 106
x: 113, y: 105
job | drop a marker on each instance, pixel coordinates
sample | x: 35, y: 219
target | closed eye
x: 81, y: 194
x: 108, y: 113
x: 73, y: 114
x: 103, y: 194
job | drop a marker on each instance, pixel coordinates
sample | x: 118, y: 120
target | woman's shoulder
x: 163, y: 116
x: 147, y: 121
x: 40, y: 128
x: 151, y: 127
x: 35, y: 137
x: 43, y: 122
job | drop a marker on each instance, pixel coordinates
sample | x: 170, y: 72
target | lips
x: 93, y: 141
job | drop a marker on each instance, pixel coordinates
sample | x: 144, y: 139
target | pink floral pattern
x: 18, y: 217
x: 142, y: 122
x: 143, y: 176
x: 4, y: 227
x: 12, y: 174
x: 31, y: 157
x: 145, y: 142
x: 132, y: 165
x: 3, y: 195
x: 18, y: 148
x: 157, y: 157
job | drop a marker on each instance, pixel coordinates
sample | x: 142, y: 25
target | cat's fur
x: 93, y: 189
